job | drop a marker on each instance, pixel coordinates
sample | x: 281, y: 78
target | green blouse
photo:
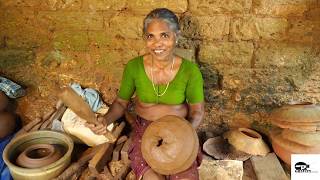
x: 187, y: 85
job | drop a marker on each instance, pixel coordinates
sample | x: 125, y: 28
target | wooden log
x: 36, y: 127
x: 125, y: 149
x: 75, y: 167
x: 123, y: 171
x: 116, y: 152
x: 104, y: 154
x: 57, y: 116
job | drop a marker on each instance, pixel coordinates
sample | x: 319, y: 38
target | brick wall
x: 254, y: 54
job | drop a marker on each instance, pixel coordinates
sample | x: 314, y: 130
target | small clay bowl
x: 247, y: 140
x: 38, y: 155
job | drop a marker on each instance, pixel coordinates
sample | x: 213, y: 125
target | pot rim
x: 60, y: 136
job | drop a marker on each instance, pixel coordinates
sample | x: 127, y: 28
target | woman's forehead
x: 158, y: 25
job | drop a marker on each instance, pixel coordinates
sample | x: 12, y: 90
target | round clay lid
x: 170, y: 145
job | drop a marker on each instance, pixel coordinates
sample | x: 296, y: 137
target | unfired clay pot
x: 39, y: 155
x: 170, y: 145
x: 297, y: 113
x: 284, y: 148
x: 248, y: 141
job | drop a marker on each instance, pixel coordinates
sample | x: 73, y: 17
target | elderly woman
x: 164, y: 83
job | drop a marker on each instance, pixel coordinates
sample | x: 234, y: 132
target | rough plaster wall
x: 254, y: 54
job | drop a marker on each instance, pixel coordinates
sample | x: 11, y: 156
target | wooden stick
x: 125, y: 149
x: 116, y: 152
x: 122, y: 139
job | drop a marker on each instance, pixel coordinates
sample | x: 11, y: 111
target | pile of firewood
x: 108, y: 161
x: 44, y: 122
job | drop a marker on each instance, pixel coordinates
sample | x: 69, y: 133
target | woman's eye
x: 165, y: 35
x: 149, y: 36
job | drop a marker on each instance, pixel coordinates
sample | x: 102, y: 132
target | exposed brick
x: 145, y: 6
x: 281, y: 7
x: 44, y: 5
x: 205, y: 27
x: 284, y: 55
x: 227, y: 54
x: 103, y: 5
x: 71, y: 20
x: 255, y: 28
x: 11, y: 58
x: 210, y: 7
x: 302, y: 30
x: 125, y: 26
x: 70, y: 40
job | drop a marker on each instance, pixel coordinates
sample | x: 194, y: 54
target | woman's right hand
x: 99, y: 128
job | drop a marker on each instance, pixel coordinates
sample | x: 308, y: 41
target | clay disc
x: 170, y: 145
x: 219, y: 148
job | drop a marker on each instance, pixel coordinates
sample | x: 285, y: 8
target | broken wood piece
x: 106, y: 172
x: 31, y: 124
x: 117, y: 131
x: 75, y: 167
x: 57, y: 116
x: 123, y: 171
x: 116, y: 152
x: 36, y: 127
x: 125, y: 149
x: 268, y: 167
x: 122, y: 139
x: 100, y: 159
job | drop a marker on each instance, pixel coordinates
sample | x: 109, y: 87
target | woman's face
x: 160, y: 39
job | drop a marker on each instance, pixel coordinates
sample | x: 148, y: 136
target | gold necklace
x: 153, y: 85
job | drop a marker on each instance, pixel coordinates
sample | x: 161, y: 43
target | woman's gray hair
x: 165, y: 15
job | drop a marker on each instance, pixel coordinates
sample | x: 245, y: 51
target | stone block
x: 20, y: 28
x: 205, y: 27
x: 255, y: 28
x: 145, y: 6
x: 210, y: 7
x: 71, y: 20
x: 104, y: 5
x: 10, y: 58
x: 302, y: 30
x: 71, y: 40
x: 44, y: 5
x: 103, y: 39
x: 125, y: 26
x: 284, y: 55
x: 281, y: 7
x: 227, y: 54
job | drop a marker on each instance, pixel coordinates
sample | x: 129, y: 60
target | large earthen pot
x: 48, y: 172
x: 284, y: 148
x: 247, y: 140
x: 170, y: 145
x: 297, y: 113
x: 303, y: 138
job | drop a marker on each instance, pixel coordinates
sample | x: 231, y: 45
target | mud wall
x: 254, y: 54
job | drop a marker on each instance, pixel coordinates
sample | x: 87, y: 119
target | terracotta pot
x: 307, y: 127
x: 248, y: 141
x: 303, y: 138
x: 20, y: 143
x: 297, y: 113
x: 170, y: 145
x: 284, y: 148
x: 219, y: 148
x: 39, y: 155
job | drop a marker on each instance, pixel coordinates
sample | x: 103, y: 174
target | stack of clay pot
x: 298, y: 130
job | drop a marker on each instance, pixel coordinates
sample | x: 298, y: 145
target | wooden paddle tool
x: 72, y: 100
